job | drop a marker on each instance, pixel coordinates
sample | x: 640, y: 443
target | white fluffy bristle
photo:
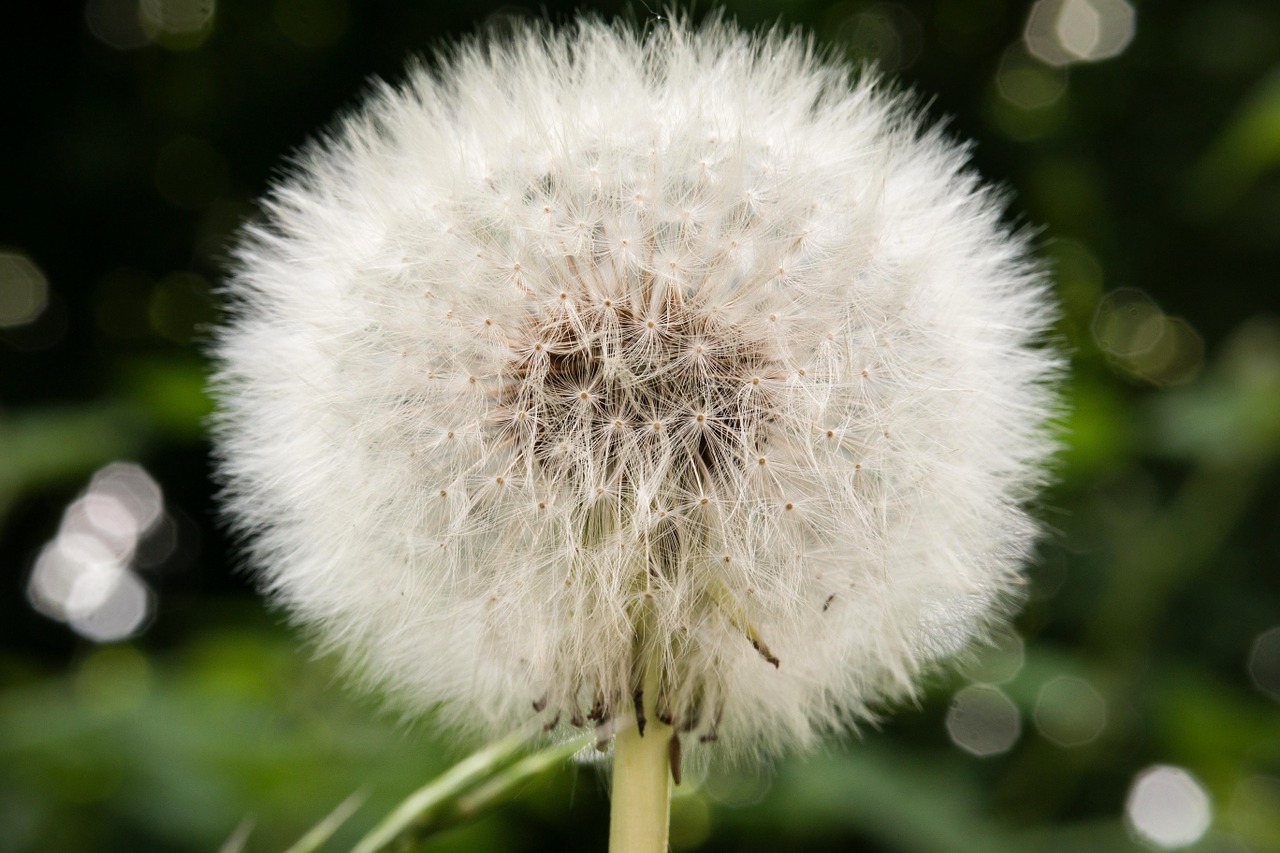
x: 594, y: 349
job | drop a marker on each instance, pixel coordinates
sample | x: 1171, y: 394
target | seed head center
x: 612, y: 383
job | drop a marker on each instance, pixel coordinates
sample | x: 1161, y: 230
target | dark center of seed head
x: 586, y: 381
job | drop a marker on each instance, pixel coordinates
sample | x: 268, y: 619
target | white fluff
x: 592, y: 349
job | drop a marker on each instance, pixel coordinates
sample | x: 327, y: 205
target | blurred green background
x: 149, y: 700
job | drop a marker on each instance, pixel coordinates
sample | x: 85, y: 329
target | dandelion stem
x: 641, y: 807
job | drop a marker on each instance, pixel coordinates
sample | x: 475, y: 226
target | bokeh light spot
x: 885, y: 33
x: 1079, y: 275
x: 1128, y: 323
x: 101, y: 520
x: 983, y: 721
x: 116, y: 23
x: 1070, y: 712
x: 1060, y: 32
x: 1177, y: 357
x: 136, y: 491
x: 177, y: 24
x: 1078, y: 27
x: 120, y: 613
x: 1028, y: 85
x: 1167, y: 807
x: 160, y: 543
x: 58, y: 568
x: 1145, y: 342
x: 1264, y: 663
x: 93, y: 587
x: 736, y: 790
x: 999, y: 661
x: 1027, y: 100
x: 84, y: 576
x: 24, y: 290
x: 690, y: 821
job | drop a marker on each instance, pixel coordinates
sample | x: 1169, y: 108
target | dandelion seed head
x: 637, y: 395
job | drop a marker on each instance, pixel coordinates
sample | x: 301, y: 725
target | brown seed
x: 637, y: 699
x: 673, y: 756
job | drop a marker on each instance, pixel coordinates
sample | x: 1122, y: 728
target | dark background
x: 134, y: 136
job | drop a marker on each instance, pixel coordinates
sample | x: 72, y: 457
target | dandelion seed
x: 618, y: 438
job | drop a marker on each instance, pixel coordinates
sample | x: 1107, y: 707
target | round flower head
x: 594, y: 360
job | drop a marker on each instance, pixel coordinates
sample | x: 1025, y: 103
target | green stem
x: 501, y: 786
x: 324, y: 830
x: 641, y: 811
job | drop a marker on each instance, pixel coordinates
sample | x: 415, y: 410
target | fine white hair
x: 595, y: 351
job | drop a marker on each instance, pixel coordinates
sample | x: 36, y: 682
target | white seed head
x: 595, y: 352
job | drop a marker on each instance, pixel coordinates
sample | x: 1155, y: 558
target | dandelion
x: 678, y: 385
